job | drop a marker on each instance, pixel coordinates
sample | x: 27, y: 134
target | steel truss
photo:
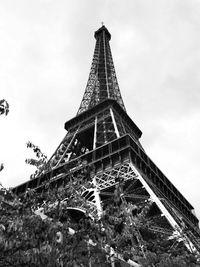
x: 102, y: 127
x: 141, y: 200
x: 102, y: 83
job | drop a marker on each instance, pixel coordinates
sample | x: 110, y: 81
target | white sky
x: 46, y: 49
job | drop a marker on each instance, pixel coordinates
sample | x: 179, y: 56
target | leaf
x: 4, y: 107
x: 1, y: 167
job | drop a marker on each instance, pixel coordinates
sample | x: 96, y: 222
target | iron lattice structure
x: 103, y: 138
x: 102, y: 83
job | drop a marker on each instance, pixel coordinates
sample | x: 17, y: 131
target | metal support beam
x: 114, y: 123
x: 165, y: 212
x: 95, y: 133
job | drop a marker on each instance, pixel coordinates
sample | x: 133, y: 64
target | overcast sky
x: 46, y: 49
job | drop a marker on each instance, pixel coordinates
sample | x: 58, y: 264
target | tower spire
x: 102, y: 83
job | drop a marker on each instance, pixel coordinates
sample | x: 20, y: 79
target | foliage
x: 1, y: 167
x: 41, y: 162
x: 32, y: 239
x: 4, y: 107
x: 47, y: 228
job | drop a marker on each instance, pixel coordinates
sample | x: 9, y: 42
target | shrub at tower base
x: 43, y: 229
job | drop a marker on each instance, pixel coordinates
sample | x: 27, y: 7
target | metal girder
x: 110, y: 177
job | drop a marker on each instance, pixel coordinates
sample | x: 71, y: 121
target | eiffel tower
x: 104, y: 138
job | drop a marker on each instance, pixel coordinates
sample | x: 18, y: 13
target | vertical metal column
x: 95, y: 133
x: 114, y: 123
x: 105, y: 64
